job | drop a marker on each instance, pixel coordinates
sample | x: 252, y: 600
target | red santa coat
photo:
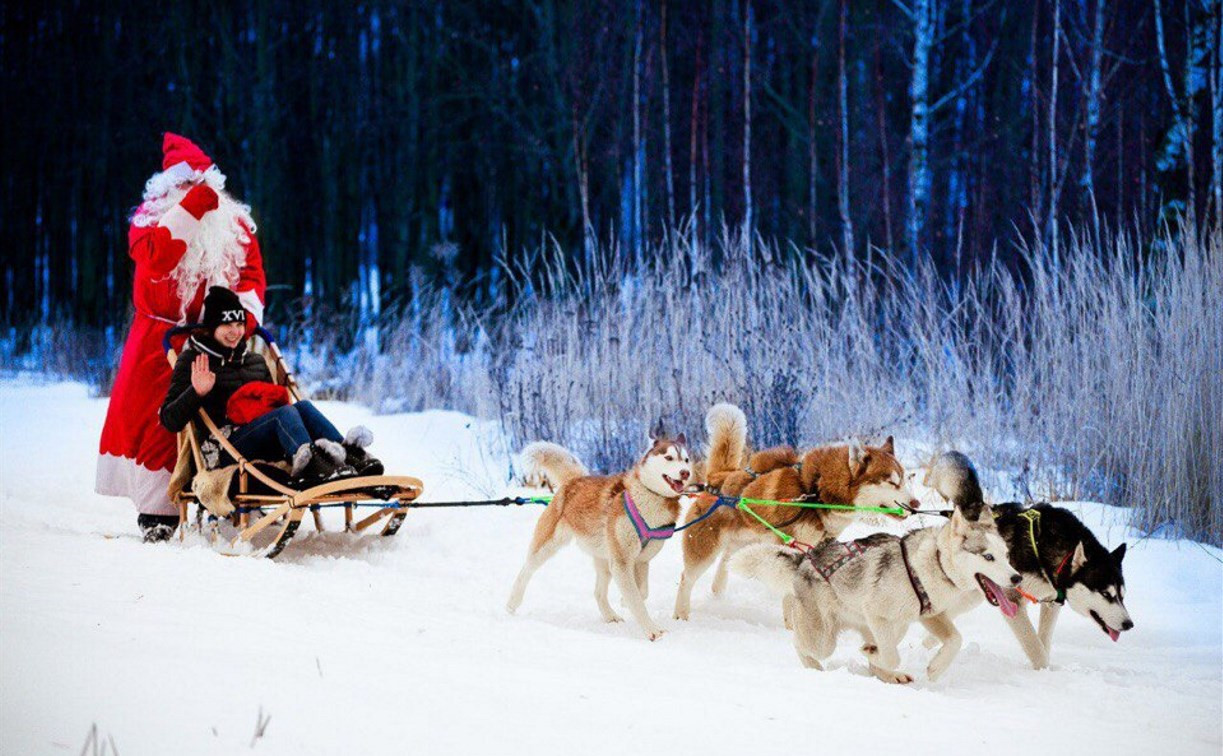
x: 136, y: 454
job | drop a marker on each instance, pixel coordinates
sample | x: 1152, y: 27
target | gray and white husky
x: 881, y: 584
x: 1059, y: 558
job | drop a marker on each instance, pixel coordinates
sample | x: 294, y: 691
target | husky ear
x: 1119, y: 554
x: 857, y: 458
x: 1079, y: 558
x: 682, y: 440
x: 958, y: 526
x: 888, y: 447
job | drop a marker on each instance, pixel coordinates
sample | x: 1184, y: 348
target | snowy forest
x: 973, y: 221
x: 380, y: 140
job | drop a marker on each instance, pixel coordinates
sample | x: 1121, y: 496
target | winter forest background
x: 978, y: 223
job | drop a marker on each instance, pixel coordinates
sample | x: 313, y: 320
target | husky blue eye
x: 989, y: 557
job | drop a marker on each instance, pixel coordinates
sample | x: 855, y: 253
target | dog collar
x: 644, y: 531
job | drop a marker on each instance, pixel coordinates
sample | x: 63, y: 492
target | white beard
x: 216, y: 254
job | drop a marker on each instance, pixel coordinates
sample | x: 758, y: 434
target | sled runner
x: 255, y: 496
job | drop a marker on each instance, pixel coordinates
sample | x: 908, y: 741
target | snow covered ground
x: 403, y: 645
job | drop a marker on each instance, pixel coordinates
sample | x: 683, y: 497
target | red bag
x: 254, y: 400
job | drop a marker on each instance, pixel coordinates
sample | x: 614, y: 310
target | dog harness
x: 1033, y: 518
x: 853, y: 549
x: 922, y: 597
x: 644, y: 531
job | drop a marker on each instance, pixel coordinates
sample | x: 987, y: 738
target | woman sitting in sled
x: 216, y: 373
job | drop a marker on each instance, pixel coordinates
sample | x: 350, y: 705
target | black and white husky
x: 1059, y: 558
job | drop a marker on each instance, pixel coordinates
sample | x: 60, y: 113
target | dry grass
x: 1098, y: 375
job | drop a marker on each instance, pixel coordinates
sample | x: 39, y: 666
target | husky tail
x: 727, y: 428
x: 955, y: 479
x: 775, y: 566
x: 556, y: 464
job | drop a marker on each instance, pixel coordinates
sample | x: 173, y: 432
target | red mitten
x: 199, y: 200
x: 254, y: 400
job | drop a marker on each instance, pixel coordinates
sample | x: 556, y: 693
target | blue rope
x: 722, y: 501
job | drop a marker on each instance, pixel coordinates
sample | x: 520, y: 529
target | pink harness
x: 644, y: 531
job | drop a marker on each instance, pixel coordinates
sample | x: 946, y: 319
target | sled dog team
x: 878, y: 585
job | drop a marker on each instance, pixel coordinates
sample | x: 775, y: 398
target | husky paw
x: 896, y: 678
x: 613, y: 617
x: 680, y: 615
x: 870, y: 649
x: 810, y: 662
x: 654, y: 634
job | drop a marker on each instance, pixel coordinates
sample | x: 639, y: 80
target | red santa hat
x: 179, y: 149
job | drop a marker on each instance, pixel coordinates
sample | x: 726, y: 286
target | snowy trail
x: 403, y: 644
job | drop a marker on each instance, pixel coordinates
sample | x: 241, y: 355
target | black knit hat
x: 222, y: 306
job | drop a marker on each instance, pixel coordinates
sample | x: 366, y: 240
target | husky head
x: 1097, y: 590
x: 978, y: 549
x: 667, y: 467
x: 877, y: 478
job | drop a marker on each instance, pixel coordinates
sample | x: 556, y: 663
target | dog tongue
x: 1114, y: 634
x: 1007, y: 606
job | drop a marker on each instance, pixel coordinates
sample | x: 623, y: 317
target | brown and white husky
x: 621, y: 520
x: 836, y: 474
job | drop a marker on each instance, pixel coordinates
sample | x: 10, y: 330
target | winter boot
x: 356, y: 456
x: 157, y: 528
x: 318, y: 462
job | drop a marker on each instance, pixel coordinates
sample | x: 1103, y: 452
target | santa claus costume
x: 187, y: 235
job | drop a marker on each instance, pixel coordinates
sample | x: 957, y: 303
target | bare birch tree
x: 919, y: 126
x: 666, y: 117
x: 748, y: 226
x: 1093, y: 103
x: 847, y: 224
x: 1182, y: 107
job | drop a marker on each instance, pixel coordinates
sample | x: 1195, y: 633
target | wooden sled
x: 277, y: 507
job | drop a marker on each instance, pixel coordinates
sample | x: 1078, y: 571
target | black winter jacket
x: 233, y: 368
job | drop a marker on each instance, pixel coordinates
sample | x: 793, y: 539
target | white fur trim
x: 301, y: 458
x: 181, y: 224
x: 250, y: 303
x: 121, y: 476
x: 179, y: 173
x: 359, y: 436
x: 337, y: 453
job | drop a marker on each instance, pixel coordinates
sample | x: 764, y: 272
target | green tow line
x: 743, y: 503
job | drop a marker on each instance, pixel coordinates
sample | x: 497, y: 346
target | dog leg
x: 1048, y: 618
x: 968, y: 601
x: 814, y: 640
x: 642, y: 573
x: 788, y: 604
x: 627, y: 583
x: 941, y: 627
x: 1032, y: 646
x: 869, y: 647
x: 722, y: 574
x: 698, y: 556
x: 543, y: 547
x: 887, y: 658
x: 602, y: 580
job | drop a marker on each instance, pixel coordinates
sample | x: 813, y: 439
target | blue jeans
x: 279, y: 433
